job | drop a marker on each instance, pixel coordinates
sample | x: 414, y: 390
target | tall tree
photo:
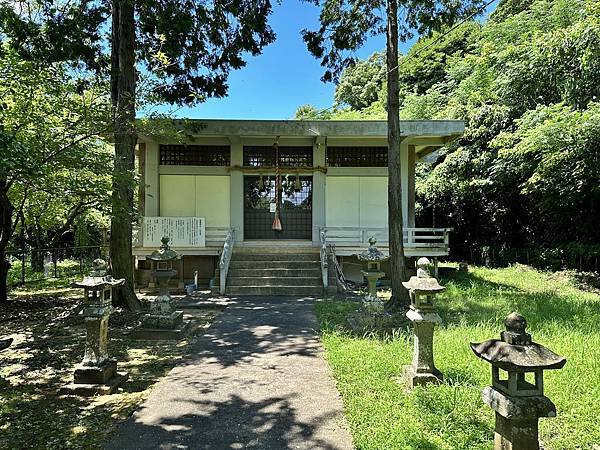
x: 345, y: 27
x: 123, y: 96
x: 186, y: 48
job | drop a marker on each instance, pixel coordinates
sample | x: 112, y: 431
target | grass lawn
x: 49, y: 341
x: 382, y: 415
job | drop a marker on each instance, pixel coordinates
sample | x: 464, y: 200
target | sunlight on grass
x: 452, y: 416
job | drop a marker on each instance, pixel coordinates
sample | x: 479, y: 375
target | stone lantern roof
x: 423, y: 283
x: 98, y: 279
x: 372, y: 254
x: 515, y: 351
x: 164, y: 253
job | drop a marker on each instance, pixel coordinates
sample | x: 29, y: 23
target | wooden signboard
x: 183, y: 231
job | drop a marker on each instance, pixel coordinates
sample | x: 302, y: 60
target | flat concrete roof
x: 315, y: 128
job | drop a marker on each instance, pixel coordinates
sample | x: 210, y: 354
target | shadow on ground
x: 255, y: 380
x: 271, y: 424
x: 49, y: 341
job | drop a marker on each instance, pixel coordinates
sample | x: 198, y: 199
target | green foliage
x: 346, y: 25
x: 47, y: 121
x: 426, y: 63
x: 382, y: 414
x: 360, y: 84
x: 527, y: 85
x: 54, y: 160
x: 185, y: 51
x: 525, y: 173
x: 509, y: 8
x: 309, y: 112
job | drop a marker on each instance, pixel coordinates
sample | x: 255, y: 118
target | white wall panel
x: 212, y: 200
x: 177, y: 195
x: 373, y: 202
x: 341, y: 201
x: 196, y: 196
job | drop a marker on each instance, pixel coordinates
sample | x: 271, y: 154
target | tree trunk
x: 6, y: 215
x: 123, y: 99
x: 36, y: 243
x: 397, y: 262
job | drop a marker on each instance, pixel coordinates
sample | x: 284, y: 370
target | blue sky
x: 285, y: 76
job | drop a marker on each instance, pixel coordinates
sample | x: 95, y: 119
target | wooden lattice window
x: 265, y: 156
x: 195, y: 155
x: 357, y: 156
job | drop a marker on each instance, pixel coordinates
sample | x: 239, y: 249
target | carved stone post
x: 162, y: 321
x: 424, y: 317
x: 518, y: 402
x: 373, y: 257
x: 97, y: 373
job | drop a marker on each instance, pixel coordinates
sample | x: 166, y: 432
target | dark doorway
x: 295, y: 210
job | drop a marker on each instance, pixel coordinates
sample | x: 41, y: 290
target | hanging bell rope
x: 276, y: 221
x: 297, y: 183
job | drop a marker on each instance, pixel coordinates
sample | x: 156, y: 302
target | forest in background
x: 523, y: 183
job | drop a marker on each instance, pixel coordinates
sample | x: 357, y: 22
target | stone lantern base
x: 95, y: 380
x: 413, y: 378
x: 422, y: 370
x: 517, y: 418
x: 162, y: 326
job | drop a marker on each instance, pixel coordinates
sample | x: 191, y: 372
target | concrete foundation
x: 157, y: 334
x: 95, y: 380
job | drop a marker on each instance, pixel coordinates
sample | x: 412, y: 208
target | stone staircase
x: 261, y: 272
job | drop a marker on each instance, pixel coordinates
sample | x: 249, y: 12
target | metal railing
x: 225, y: 259
x: 433, y: 238
x: 37, y: 265
x: 323, y: 258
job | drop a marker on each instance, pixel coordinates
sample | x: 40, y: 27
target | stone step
x: 274, y: 281
x: 234, y: 264
x: 274, y: 290
x: 273, y: 272
x: 275, y: 256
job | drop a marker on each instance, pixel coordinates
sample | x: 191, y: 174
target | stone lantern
x: 97, y: 373
x: 424, y: 317
x: 162, y: 321
x: 373, y: 257
x: 519, y: 402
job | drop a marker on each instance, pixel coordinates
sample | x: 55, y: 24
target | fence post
x: 54, y: 257
x: 23, y: 261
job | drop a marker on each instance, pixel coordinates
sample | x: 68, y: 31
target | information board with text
x: 182, y: 231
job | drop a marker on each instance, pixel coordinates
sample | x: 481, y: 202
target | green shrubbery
x: 526, y: 173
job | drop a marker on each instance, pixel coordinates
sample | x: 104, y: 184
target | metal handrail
x: 225, y: 259
x: 339, y: 272
x: 323, y: 257
x: 413, y: 237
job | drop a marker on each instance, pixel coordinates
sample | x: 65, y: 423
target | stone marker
x: 424, y: 317
x: 162, y: 321
x: 518, y: 402
x: 97, y: 373
x: 373, y: 257
x: 5, y: 343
